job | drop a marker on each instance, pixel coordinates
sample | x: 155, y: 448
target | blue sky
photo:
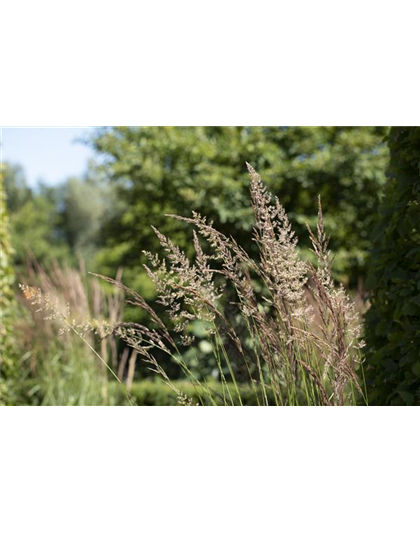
x: 49, y: 155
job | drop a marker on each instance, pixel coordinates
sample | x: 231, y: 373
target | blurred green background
x: 101, y: 219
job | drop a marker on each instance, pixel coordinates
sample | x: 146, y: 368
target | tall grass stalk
x: 303, y: 332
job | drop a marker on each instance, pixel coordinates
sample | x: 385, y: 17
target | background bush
x: 393, y: 322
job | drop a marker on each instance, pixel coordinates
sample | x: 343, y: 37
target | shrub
x: 393, y: 321
x: 8, y: 357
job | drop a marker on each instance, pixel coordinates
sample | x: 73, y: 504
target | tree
x: 57, y: 223
x: 84, y: 207
x: 34, y: 228
x: 16, y: 189
x: 393, y: 321
x: 178, y: 170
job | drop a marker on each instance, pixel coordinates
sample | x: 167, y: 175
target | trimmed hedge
x: 152, y: 392
x: 148, y: 392
x: 393, y: 321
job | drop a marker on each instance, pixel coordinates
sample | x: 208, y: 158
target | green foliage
x: 16, y: 188
x: 34, y: 230
x: 84, y: 206
x: 393, y: 322
x: 8, y: 363
x: 6, y: 271
x: 34, y: 220
x: 160, y: 170
x: 57, y: 223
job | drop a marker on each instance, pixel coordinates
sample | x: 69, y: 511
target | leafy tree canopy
x: 160, y: 170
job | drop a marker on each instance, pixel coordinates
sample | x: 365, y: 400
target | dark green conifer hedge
x: 393, y: 321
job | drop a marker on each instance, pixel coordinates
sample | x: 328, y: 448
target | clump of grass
x: 302, y: 333
x: 71, y: 369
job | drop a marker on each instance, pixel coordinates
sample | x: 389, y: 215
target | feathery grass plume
x: 259, y: 314
x: 340, y: 324
x: 281, y: 269
x: 143, y: 339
